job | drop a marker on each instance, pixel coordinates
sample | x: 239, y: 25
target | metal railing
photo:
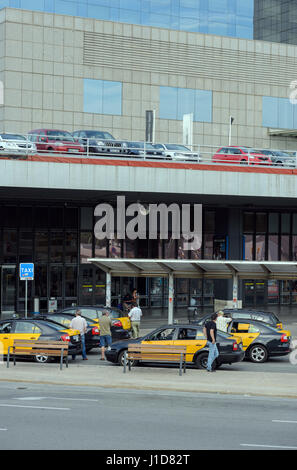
x: 64, y: 144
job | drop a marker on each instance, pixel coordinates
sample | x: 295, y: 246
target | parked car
x: 33, y: 329
x: 16, y: 143
x: 56, y: 141
x: 242, y: 155
x: 142, y: 149
x: 246, y: 314
x: 260, y: 341
x: 280, y: 158
x: 178, y: 152
x: 92, y: 336
x: 121, y: 324
x: 98, y: 142
x: 230, y: 349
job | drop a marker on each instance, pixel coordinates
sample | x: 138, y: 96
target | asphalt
x: 103, y: 375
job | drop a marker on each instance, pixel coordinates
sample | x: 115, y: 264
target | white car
x: 178, y: 152
x: 16, y: 143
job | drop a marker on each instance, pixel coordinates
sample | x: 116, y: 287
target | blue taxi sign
x: 27, y: 271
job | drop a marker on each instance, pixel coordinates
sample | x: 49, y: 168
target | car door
x: 193, y: 338
x: 246, y: 331
x: 5, y: 336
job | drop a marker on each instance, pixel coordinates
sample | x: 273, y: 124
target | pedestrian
x: 135, y: 315
x: 223, y: 321
x: 127, y: 302
x: 210, y: 332
x: 135, y: 296
x: 79, y: 323
x: 105, y: 333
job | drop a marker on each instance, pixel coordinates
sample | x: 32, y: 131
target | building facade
x: 100, y: 65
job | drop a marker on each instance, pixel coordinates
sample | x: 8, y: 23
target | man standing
x: 105, y: 333
x: 210, y: 332
x: 135, y: 315
x: 79, y: 323
x: 222, y: 321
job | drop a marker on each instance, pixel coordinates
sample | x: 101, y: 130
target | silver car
x: 178, y: 152
x: 16, y: 143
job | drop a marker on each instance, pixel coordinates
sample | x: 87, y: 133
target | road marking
x: 55, y: 398
x: 268, y: 446
x: 35, y: 407
x: 283, y: 421
x: 3, y: 429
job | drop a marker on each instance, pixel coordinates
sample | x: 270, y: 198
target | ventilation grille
x: 146, y: 55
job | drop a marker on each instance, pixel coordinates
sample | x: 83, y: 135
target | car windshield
x: 177, y: 147
x: 281, y: 154
x: 99, y: 135
x: 140, y: 145
x: 55, y: 326
x: 13, y: 137
x: 60, y: 136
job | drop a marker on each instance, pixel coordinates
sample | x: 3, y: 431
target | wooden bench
x: 32, y: 348
x: 156, y: 353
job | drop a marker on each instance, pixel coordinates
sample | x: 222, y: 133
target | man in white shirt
x: 135, y: 315
x: 79, y: 323
x: 222, y: 321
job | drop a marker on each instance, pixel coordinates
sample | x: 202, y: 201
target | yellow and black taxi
x: 33, y: 329
x: 92, y: 336
x: 247, y: 314
x: 230, y: 348
x: 260, y: 340
x: 121, y: 325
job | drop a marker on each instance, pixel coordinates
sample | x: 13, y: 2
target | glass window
x: 70, y: 281
x: 71, y: 247
x: 56, y: 281
x: 285, y: 248
x: 249, y: 222
x: 166, y: 334
x: 40, y: 280
x: 273, y: 223
x: 175, y: 102
x: 100, y: 248
x: 9, y: 246
x: 5, y: 327
x: 208, y: 246
x: 57, y: 247
x: 260, y: 247
x: 285, y: 223
x: 27, y: 328
x: 248, y: 247
x: 273, y: 248
x: 86, y: 218
x: 102, y: 97
x: 261, y: 222
x: 115, y: 248
x: 41, y: 246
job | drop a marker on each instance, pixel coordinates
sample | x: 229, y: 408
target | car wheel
x: 121, y: 358
x: 201, y: 360
x: 42, y: 358
x: 243, y: 162
x: 258, y: 353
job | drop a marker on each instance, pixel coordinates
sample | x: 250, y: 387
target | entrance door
x: 254, y: 293
x: 8, y: 289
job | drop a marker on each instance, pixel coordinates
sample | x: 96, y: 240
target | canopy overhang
x: 207, y: 269
x: 283, y: 132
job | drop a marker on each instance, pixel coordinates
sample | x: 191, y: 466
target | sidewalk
x: 150, y: 378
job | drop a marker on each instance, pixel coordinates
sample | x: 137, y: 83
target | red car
x: 243, y: 155
x: 55, y: 141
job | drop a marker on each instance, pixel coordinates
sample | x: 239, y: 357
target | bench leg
x: 185, y: 364
x: 180, y: 364
x: 67, y: 361
x: 125, y: 362
x: 61, y: 359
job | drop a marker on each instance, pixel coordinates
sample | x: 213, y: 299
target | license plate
x: 73, y: 150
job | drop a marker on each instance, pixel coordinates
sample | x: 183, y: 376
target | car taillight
x: 95, y: 331
x: 117, y: 323
x: 284, y: 339
x: 65, y: 338
x: 235, y: 347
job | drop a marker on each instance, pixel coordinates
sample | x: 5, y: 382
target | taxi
x: 32, y: 329
x: 119, y: 319
x: 260, y: 340
x: 192, y: 337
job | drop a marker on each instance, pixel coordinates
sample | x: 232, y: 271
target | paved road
x: 51, y: 417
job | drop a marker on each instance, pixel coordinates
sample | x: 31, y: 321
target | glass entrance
x: 8, y: 289
x: 254, y: 293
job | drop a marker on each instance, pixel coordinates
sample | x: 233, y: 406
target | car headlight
x: 178, y: 154
x: 99, y: 142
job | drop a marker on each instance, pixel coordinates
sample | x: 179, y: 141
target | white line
x: 55, y: 398
x: 3, y: 429
x: 283, y: 421
x: 36, y: 407
x: 268, y: 446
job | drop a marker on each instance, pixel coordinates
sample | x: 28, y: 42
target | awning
x: 208, y: 269
x: 283, y: 132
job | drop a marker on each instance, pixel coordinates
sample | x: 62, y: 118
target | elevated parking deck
x: 147, y: 176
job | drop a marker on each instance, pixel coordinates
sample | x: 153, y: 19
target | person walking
x: 222, y: 321
x: 135, y: 315
x: 79, y: 323
x: 105, y: 333
x: 210, y: 332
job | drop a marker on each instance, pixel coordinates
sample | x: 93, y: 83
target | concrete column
x: 108, y: 290
x: 170, y: 297
x: 235, y: 290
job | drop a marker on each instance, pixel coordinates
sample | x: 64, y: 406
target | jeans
x: 83, y: 347
x: 212, y: 355
x: 105, y: 341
